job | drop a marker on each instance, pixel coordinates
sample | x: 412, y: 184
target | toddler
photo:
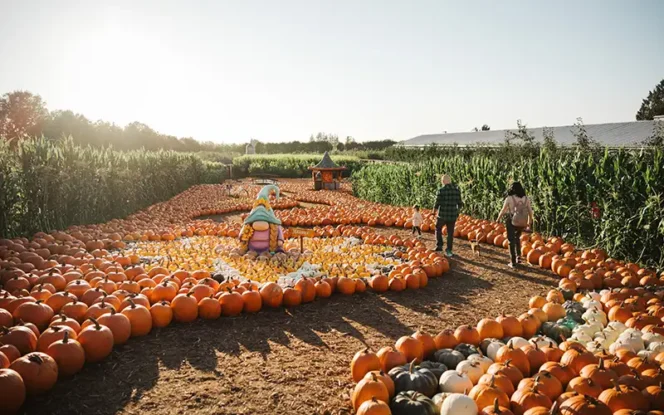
x: 417, y: 220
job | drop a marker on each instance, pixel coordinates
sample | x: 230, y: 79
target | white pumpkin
x: 595, y: 316
x: 610, y: 335
x: 587, y: 329
x: 492, y: 349
x: 484, y: 361
x: 459, y: 404
x: 652, y: 338
x: 581, y: 337
x: 646, y: 354
x: 631, y: 333
x: 595, y: 296
x: 454, y: 382
x: 592, y: 305
x: 471, y: 369
x: 543, y: 341
x: 616, y: 326
x: 656, y: 347
x: 518, y: 342
x: 633, y: 343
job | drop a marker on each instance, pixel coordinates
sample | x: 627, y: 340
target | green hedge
x: 47, y: 184
x: 287, y: 165
x: 627, y: 186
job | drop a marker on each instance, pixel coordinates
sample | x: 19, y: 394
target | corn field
x: 627, y: 187
x: 287, y: 165
x: 47, y: 184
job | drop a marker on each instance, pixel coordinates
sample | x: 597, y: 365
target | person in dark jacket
x: 448, y: 204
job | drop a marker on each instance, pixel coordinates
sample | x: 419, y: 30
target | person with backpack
x: 520, y: 217
x: 448, y: 204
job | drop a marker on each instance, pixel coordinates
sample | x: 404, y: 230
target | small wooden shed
x: 327, y: 174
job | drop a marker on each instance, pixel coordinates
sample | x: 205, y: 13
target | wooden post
x: 301, y: 245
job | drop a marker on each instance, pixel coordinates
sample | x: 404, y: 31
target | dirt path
x: 287, y: 361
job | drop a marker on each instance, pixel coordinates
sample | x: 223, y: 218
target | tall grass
x: 287, y: 165
x: 627, y: 186
x: 47, y: 184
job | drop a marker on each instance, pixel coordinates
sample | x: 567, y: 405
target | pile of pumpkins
x: 62, y: 305
x: 608, y: 360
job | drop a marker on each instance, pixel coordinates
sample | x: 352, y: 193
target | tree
x: 521, y: 134
x: 583, y: 140
x: 349, y: 140
x: 549, y: 140
x: 657, y: 137
x: 21, y: 114
x: 652, y: 105
x: 486, y: 127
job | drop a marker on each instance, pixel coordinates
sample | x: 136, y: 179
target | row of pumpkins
x: 55, y: 319
x: 596, y: 361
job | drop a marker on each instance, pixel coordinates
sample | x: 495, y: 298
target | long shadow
x: 513, y: 273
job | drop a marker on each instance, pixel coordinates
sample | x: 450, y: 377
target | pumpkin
x: 486, y: 394
x: 161, y: 313
x: 323, y: 290
x: 599, y: 374
x: 536, y: 357
x: 53, y: 334
x: 496, y: 409
x: 118, y: 323
x: 583, y: 404
x: 448, y: 357
x: 428, y: 345
x: 272, y: 294
x: 362, y: 363
x: 455, y: 382
x: 346, y: 286
x: 38, y: 371
x: 12, y: 391
x: 554, y: 311
x: 500, y: 381
x: 97, y: 341
x: 513, y: 373
x: 37, y: 313
x: 292, y: 297
x: 546, y: 383
x: 10, y: 351
x: 140, y: 318
x: 458, y: 404
x: 562, y: 372
x: 485, y: 362
x: 209, y: 308
x: 530, y: 325
x: 386, y: 379
x: 511, y: 326
x: 413, y: 403
x: 390, y: 358
x: 307, y: 289
x: 525, y: 399
x: 68, y: 354
x: 411, y: 348
x: 467, y: 334
x: 185, y: 308
x: 655, y: 395
x: 232, y: 303
x: 373, y: 406
x: 624, y: 397
x: 445, y: 340
x: 489, y: 328
x: 577, y: 360
x: 62, y: 320
x: 471, y: 369
x: 584, y: 386
x: 466, y: 349
x: 410, y: 378
x: 516, y: 356
x: 368, y: 388
x: 20, y: 337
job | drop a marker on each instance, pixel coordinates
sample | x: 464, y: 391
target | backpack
x: 520, y: 213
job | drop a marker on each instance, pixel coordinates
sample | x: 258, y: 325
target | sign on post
x: 302, y: 233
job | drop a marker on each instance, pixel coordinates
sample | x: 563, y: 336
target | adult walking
x: 519, y: 213
x: 448, y: 204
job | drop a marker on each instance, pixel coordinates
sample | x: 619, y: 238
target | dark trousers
x: 514, y: 239
x: 439, y: 234
x: 417, y: 229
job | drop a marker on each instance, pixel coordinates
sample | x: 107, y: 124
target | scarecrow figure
x: 262, y: 230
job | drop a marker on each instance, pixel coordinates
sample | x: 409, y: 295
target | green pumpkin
x: 556, y: 331
x: 568, y: 295
x: 436, y: 368
x: 448, y: 357
x: 466, y: 349
x: 410, y: 378
x: 412, y: 403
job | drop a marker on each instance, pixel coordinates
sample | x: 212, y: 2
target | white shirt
x: 509, y: 204
x: 417, y: 219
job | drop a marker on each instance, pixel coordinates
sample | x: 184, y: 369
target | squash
x: 466, y: 349
x: 455, y: 382
x: 485, y: 395
x: 448, y: 357
x: 408, y: 378
x: 412, y: 403
x: 471, y: 369
x: 368, y: 388
x: 459, y: 404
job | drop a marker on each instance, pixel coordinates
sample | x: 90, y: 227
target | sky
x: 280, y: 70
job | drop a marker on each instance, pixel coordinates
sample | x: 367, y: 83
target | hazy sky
x: 282, y: 69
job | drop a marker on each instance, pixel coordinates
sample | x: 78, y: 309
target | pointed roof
x: 327, y: 163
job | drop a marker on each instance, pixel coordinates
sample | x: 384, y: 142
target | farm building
x: 621, y: 134
x: 250, y: 148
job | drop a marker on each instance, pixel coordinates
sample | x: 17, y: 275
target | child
x: 417, y: 220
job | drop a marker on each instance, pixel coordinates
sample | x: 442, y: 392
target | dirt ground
x: 287, y: 361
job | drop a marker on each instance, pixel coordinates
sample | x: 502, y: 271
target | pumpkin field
x: 163, y: 312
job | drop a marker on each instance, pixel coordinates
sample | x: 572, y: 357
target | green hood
x: 260, y: 213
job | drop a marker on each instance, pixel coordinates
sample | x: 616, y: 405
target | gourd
x: 411, y: 379
x: 449, y: 357
x: 471, y: 369
x: 455, y: 382
x: 466, y: 349
x: 484, y: 361
x: 412, y: 403
x: 458, y: 404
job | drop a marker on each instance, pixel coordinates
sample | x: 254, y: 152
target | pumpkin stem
x: 493, y: 383
x: 94, y: 321
x: 65, y: 339
x: 412, y: 364
x: 35, y: 358
x: 496, y: 407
